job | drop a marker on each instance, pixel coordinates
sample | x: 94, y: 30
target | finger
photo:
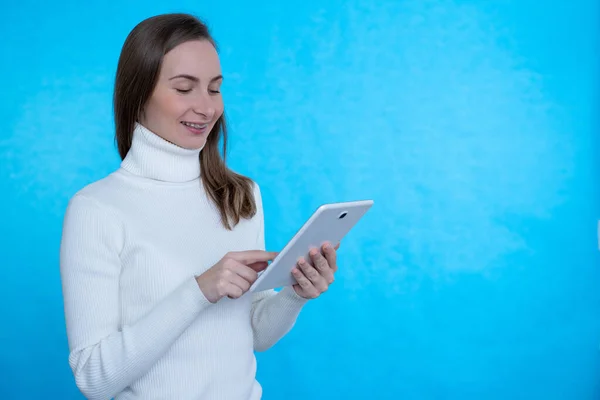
x: 313, y: 275
x: 305, y: 284
x: 331, y: 257
x: 321, y: 264
x: 242, y: 281
x: 243, y: 271
x: 234, y: 291
x: 259, y: 265
x: 252, y: 256
x: 337, y: 246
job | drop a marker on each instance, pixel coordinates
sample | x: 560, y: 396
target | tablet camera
x: 342, y: 215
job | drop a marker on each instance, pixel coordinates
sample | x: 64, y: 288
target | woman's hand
x: 315, y: 277
x: 233, y: 275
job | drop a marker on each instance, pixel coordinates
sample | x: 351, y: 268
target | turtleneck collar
x: 153, y: 157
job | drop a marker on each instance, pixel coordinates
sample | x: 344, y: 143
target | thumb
x: 259, y: 266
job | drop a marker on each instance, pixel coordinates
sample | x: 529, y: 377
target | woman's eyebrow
x: 193, y: 78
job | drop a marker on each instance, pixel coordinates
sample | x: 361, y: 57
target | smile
x: 194, y: 125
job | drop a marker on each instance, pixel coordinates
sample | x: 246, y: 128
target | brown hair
x: 137, y: 72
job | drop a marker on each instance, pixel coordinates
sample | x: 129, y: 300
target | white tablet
x: 329, y: 223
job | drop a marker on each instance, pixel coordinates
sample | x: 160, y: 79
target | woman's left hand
x: 315, y: 275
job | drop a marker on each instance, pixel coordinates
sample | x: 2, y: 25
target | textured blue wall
x: 471, y: 123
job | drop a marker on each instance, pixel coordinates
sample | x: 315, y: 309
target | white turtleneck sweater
x: 138, y: 325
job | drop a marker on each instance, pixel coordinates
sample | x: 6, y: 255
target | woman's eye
x: 184, y: 90
x: 214, y: 91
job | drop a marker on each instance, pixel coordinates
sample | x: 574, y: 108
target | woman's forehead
x: 197, y: 58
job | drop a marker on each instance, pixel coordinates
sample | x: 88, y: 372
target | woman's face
x: 186, y: 102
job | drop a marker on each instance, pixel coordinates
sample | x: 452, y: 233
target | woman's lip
x: 196, y: 130
x: 195, y: 123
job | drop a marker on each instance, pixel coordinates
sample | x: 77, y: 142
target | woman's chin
x: 196, y: 143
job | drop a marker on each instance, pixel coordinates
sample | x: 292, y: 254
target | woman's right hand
x: 233, y: 275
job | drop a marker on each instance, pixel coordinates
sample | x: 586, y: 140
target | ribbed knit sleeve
x: 106, y: 357
x: 273, y: 313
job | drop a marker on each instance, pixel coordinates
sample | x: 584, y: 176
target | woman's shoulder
x: 91, y: 209
x: 98, y: 194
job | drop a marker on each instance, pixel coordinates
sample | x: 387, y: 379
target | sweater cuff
x: 195, y: 299
x: 291, y: 298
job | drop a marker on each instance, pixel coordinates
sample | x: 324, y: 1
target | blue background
x: 472, y: 124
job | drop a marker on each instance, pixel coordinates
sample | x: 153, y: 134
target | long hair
x: 137, y: 72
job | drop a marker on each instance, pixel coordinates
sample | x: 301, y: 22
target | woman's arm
x: 273, y: 313
x: 104, y: 356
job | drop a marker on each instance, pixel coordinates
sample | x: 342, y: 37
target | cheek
x: 176, y: 106
x: 168, y: 104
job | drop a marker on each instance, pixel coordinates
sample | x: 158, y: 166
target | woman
x: 157, y: 258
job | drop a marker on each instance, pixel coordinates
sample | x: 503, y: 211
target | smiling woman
x: 157, y: 258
